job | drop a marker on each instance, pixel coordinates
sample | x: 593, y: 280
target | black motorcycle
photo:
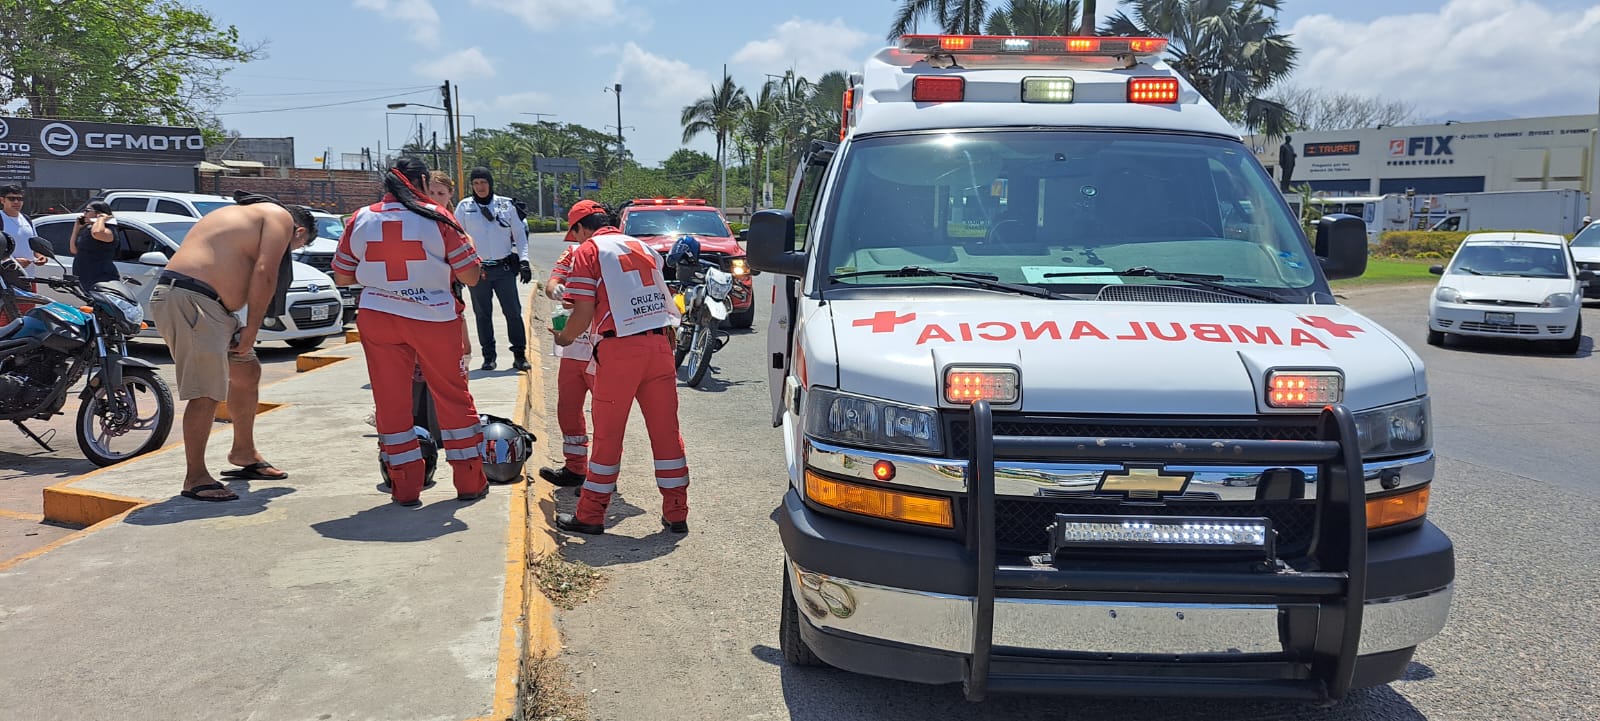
x: 126, y: 408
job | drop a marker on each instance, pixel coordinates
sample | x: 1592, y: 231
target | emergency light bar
x: 1032, y: 45
x: 1082, y: 531
x: 668, y: 201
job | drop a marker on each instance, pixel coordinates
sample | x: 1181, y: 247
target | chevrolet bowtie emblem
x: 1149, y: 482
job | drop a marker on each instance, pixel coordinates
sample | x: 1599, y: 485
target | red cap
x: 580, y: 210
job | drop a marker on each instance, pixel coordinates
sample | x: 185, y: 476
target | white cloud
x: 663, y: 83
x: 1480, y: 57
x: 458, y: 65
x: 553, y: 14
x: 418, y: 14
x: 514, y: 104
x: 810, y: 47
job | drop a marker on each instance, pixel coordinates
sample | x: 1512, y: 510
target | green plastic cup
x: 559, y: 322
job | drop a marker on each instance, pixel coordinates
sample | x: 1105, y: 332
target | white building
x: 1522, y: 154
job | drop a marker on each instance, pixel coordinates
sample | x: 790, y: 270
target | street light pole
x: 616, y: 89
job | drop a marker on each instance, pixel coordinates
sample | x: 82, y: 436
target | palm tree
x: 1230, y: 50
x: 718, y: 114
x: 1033, y: 17
x: 956, y: 17
x: 758, y: 126
x: 1088, y: 24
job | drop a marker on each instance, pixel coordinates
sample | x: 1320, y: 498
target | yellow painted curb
x: 9, y: 563
x: 85, y: 508
x: 352, y: 336
x: 309, y: 362
x: 20, y: 516
x: 223, y: 416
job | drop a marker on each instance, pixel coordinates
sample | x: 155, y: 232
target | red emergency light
x: 1153, y: 90
x: 938, y: 89
x: 669, y: 201
x: 1032, y: 45
x: 844, y: 117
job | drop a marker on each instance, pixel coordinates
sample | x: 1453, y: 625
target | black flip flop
x: 253, y: 472
x: 195, y: 493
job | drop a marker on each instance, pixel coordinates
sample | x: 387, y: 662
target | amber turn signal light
x: 879, y: 502
x: 1397, y: 509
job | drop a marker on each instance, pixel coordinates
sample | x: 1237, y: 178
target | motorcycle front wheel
x: 115, y: 424
x: 698, y: 360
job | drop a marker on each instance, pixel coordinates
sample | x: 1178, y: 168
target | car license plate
x: 319, y: 312
x: 1500, y: 318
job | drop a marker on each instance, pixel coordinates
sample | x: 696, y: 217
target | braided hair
x: 402, y: 180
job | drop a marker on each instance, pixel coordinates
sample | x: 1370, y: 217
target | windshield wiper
x: 981, y: 279
x: 1200, y: 279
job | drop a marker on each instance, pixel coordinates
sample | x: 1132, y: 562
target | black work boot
x: 564, y: 477
x: 675, y: 526
x: 570, y: 522
x: 522, y: 364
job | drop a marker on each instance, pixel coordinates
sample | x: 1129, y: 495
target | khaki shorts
x: 198, y: 332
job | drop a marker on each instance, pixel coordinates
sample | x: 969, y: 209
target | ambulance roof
x: 993, y: 95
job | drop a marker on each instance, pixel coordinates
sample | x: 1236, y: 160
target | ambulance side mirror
x: 1341, y: 246
x: 771, y: 236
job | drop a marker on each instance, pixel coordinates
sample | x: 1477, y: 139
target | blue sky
x: 1458, y: 59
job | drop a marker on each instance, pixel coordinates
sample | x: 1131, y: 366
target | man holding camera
x: 501, y: 238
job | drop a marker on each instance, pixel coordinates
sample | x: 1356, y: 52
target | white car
x: 194, y: 205
x: 149, y: 239
x: 319, y: 254
x: 1586, y: 253
x: 1510, y: 285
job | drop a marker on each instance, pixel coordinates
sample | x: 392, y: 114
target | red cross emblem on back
x: 394, y: 251
x: 1334, y: 328
x: 638, y: 259
x: 884, y: 321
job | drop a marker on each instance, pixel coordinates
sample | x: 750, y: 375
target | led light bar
x: 1304, y: 389
x: 1032, y: 45
x: 1047, y: 90
x: 967, y: 385
x: 1216, y: 533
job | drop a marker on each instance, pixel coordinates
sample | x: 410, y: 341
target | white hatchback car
x: 149, y: 239
x: 1510, y: 285
x: 1586, y: 251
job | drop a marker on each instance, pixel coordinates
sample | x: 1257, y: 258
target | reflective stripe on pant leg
x: 615, y: 383
x: 390, y: 364
x: 658, y: 402
x: 439, y: 351
x: 572, y: 385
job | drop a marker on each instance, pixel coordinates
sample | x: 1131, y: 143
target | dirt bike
x: 126, y: 408
x: 701, y: 291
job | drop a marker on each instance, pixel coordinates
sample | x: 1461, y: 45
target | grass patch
x: 566, y: 583
x: 1385, y: 271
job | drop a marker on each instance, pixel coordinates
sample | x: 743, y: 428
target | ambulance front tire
x: 795, y: 650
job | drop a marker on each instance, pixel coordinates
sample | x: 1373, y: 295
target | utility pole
x: 460, y: 171
x: 722, y: 192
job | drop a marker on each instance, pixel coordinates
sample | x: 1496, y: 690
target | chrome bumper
x: 944, y: 622
x: 1018, y: 478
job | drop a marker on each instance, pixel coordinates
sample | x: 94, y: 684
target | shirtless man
x: 230, y: 259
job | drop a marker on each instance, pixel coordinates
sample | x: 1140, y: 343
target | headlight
x: 1394, y: 430
x: 1557, y: 300
x: 739, y: 267
x: 1446, y: 294
x: 870, y: 422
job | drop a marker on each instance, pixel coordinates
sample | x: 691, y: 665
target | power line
x: 333, y: 92
x: 323, y: 105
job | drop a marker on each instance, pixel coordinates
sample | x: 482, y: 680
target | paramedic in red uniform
x: 573, y: 383
x: 620, y: 297
x: 403, y: 251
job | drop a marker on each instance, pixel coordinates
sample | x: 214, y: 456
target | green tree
x: 717, y: 114
x: 1230, y: 50
x: 686, y: 163
x: 758, y: 128
x: 1088, y: 25
x: 134, y: 61
x: 956, y: 17
x: 1033, y: 17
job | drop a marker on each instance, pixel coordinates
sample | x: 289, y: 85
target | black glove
x: 525, y: 272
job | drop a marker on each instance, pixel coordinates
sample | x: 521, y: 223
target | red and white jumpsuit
x: 633, y: 361
x: 408, y: 317
x: 573, y: 382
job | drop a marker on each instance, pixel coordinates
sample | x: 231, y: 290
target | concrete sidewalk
x: 312, y: 597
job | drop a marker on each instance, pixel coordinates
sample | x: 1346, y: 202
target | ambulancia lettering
x: 996, y: 331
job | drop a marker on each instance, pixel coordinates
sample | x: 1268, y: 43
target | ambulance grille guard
x: 1338, y: 551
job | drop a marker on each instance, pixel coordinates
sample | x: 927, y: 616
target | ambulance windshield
x: 1039, y: 207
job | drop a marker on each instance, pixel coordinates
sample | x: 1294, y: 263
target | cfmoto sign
x: 58, y: 139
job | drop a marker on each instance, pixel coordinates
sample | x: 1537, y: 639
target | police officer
x: 502, y: 241
x: 404, y: 251
x: 620, y: 297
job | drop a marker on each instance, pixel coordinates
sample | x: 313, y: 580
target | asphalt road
x: 686, y: 627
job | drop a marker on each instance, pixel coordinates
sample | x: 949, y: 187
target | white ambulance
x: 1067, y: 403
